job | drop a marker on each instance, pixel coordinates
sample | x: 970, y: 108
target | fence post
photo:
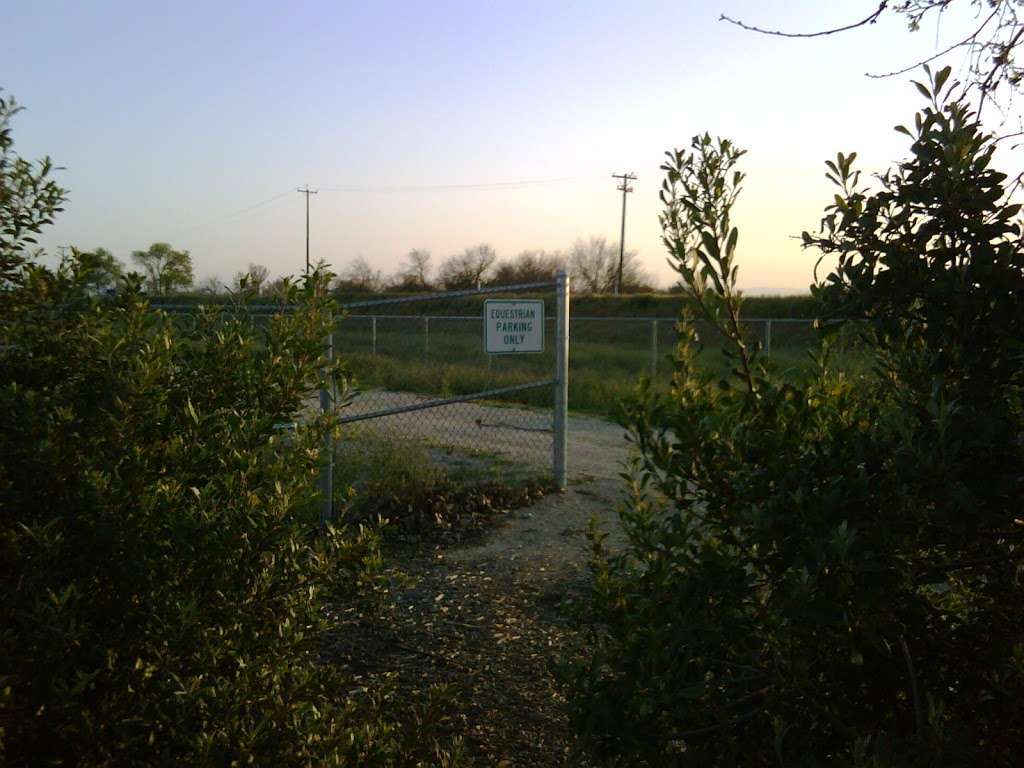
x: 373, y: 335
x: 768, y: 336
x: 654, y: 349
x: 561, y: 415
x: 327, y: 467
x: 426, y: 339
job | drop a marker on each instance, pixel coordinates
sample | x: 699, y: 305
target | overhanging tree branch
x: 870, y: 19
x: 970, y: 39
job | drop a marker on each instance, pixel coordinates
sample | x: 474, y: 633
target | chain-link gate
x: 428, y: 378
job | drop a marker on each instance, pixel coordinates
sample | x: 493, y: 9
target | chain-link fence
x: 444, y: 354
x: 427, y: 379
x: 423, y: 376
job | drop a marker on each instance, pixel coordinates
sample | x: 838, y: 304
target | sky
x: 440, y: 125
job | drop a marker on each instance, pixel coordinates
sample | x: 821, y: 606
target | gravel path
x: 490, y: 619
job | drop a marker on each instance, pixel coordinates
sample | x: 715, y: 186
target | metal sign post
x: 561, y: 416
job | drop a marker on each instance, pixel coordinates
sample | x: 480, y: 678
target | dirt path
x: 491, y: 619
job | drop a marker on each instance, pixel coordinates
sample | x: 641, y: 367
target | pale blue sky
x: 170, y: 116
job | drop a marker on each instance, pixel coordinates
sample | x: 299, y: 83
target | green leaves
x: 166, y: 269
x: 829, y: 573
x: 29, y: 200
x: 158, y: 536
x: 699, y: 190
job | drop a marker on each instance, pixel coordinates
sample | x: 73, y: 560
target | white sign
x: 513, y: 327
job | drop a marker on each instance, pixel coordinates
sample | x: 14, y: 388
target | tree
x: 166, y: 269
x: 415, y: 274
x: 594, y: 264
x: 359, y: 277
x: 255, y: 278
x: 826, y: 570
x: 29, y: 198
x: 988, y: 46
x: 468, y: 269
x: 528, y: 267
x: 165, y: 586
x: 279, y: 287
x: 211, y: 285
x: 101, y: 269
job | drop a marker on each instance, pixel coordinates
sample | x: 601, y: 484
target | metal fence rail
x: 468, y: 420
x: 645, y: 341
x: 437, y: 402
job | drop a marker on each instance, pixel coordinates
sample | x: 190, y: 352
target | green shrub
x: 830, y: 573
x: 163, y: 587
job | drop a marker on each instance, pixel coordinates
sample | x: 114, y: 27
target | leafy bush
x: 162, y: 583
x: 830, y: 573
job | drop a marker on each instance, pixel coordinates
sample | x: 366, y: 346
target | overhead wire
x: 235, y: 214
x: 498, y: 185
x: 387, y: 188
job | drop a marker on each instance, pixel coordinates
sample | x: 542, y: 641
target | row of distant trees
x: 592, y: 262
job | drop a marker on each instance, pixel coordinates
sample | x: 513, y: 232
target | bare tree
x: 278, y: 288
x: 255, y: 278
x: 528, y: 267
x: 594, y: 265
x: 415, y: 274
x: 359, y: 277
x: 988, y: 44
x: 468, y: 269
x: 210, y: 285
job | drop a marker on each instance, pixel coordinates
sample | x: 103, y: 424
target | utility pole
x: 307, y: 192
x: 625, y: 189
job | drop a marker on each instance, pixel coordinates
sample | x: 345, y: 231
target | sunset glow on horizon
x: 442, y: 126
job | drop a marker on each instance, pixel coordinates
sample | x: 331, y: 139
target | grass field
x: 613, y: 341
x: 607, y: 355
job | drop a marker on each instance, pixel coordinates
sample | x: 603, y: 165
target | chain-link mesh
x: 406, y: 355
x: 418, y: 379
x: 497, y: 439
x: 419, y: 352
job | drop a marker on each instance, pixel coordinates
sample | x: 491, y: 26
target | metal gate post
x: 768, y: 337
x: 327, y: 465
x: 561, y: 415
x: 426, y: 339
x: 373, y: 336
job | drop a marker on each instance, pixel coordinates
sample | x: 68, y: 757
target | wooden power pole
x: 625, y: 188
x: 307, y: 192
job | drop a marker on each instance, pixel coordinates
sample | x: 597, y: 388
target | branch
x: 871, y: 19
x: 998, y: 65
x: 918, y: 720
x: 721, y: 726
x: 962, y: 565
x: 966, y: 41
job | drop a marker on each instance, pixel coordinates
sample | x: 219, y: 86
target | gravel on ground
x: 491, y: 620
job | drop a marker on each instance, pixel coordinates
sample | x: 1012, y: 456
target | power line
x: 498, y: 185
x: 495, y: 186
x: 625, y: 188
x: 234, y: 214
x: 307, y: 192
